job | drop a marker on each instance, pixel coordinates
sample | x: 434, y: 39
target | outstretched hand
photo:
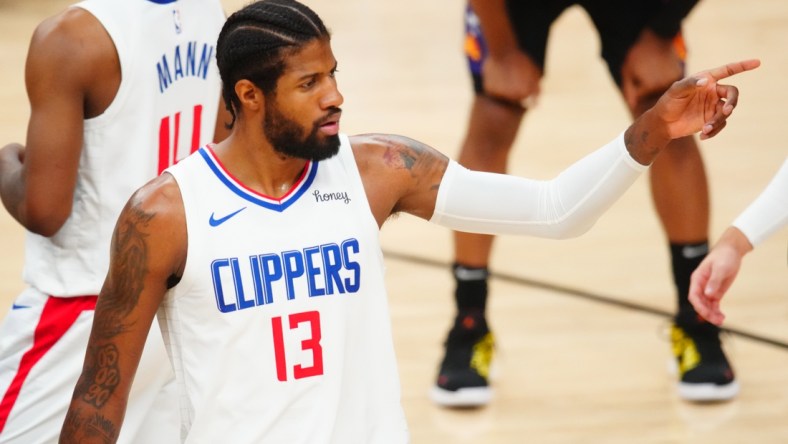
x: 700, y: 103
x: 716, y: 273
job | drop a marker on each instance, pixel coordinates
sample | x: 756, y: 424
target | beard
x: 286, y: 136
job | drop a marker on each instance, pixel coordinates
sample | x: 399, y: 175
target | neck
x: 256, y: 164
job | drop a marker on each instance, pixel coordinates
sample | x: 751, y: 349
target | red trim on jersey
x: 240, y: 184
x: 58, y: 315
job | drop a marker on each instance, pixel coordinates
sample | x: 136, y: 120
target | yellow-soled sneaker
x: 705, y: 375
x: 463, y: 378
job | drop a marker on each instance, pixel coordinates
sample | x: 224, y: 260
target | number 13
x: 312, y: 318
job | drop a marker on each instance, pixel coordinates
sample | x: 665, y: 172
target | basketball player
x: 762, y: 218
x: 261, y: 253
x: 642, y: 44
x: 118, y: 90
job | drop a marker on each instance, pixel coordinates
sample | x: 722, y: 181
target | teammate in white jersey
x: 260, y: 253
x: 118, y: 90
x: 762, y: 218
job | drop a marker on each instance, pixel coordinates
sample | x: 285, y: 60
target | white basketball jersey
x: 279, y: 329
x: 164, y: 109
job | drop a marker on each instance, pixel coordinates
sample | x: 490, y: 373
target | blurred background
x: 582, y: 325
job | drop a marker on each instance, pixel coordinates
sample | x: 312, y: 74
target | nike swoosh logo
x: 216, y: 222
x: 465, y: 274
x: 693, y: 251
x: 16, y: 306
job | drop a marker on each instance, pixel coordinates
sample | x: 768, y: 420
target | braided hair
x: 255, y: 41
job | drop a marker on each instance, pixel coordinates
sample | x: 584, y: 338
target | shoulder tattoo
x: 411, y: 155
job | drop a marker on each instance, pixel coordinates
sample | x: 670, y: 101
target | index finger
x: 731, y: 69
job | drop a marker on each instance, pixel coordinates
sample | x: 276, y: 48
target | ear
x: 251, y: 97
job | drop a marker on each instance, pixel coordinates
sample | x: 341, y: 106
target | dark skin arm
x: 72, y: 72
x: 148, y: 248
x: 411, y: 172
x: 698, y: 103
x: 403, y: 175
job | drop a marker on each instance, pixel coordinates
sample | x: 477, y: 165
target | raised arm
x: 404, y: 175
x: 68, y: 80
x: 570, y: 204
x: 148, y: 251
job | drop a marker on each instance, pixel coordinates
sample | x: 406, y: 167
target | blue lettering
x: 318, y: 270
x: 164, y: 74
x: 216, y: 267
x: 351, y: 246
x: 205, y: 60
x: 191, y: 57
x: 294, y: 267
x: 260, y: 297
x: 177, y: 63
x: 272, y: 271
x: 312, y: 271
x: 332, y: 264
x: 194, y: 64
x: 239, y: 289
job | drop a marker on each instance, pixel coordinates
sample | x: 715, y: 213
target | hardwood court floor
x: 581, y: 324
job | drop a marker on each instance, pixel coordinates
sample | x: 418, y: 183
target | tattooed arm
x: 148, y: 248
x: 399, y: 174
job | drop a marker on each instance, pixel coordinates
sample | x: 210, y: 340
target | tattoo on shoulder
x: 126, y: 279
x: 405, y: 153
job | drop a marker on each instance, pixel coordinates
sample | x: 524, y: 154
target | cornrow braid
x: 255, y: 40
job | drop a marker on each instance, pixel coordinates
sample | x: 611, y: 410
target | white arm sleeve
x: 768, y: 212
x: 564, y: 207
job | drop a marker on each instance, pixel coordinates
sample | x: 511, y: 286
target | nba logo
x: 176, y: 18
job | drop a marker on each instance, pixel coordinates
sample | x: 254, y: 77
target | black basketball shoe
x: 463, y: 379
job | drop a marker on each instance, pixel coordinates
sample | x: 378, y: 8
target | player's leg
x: 679, y: 190
x: 678, y: 187
x: 463, y: 378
